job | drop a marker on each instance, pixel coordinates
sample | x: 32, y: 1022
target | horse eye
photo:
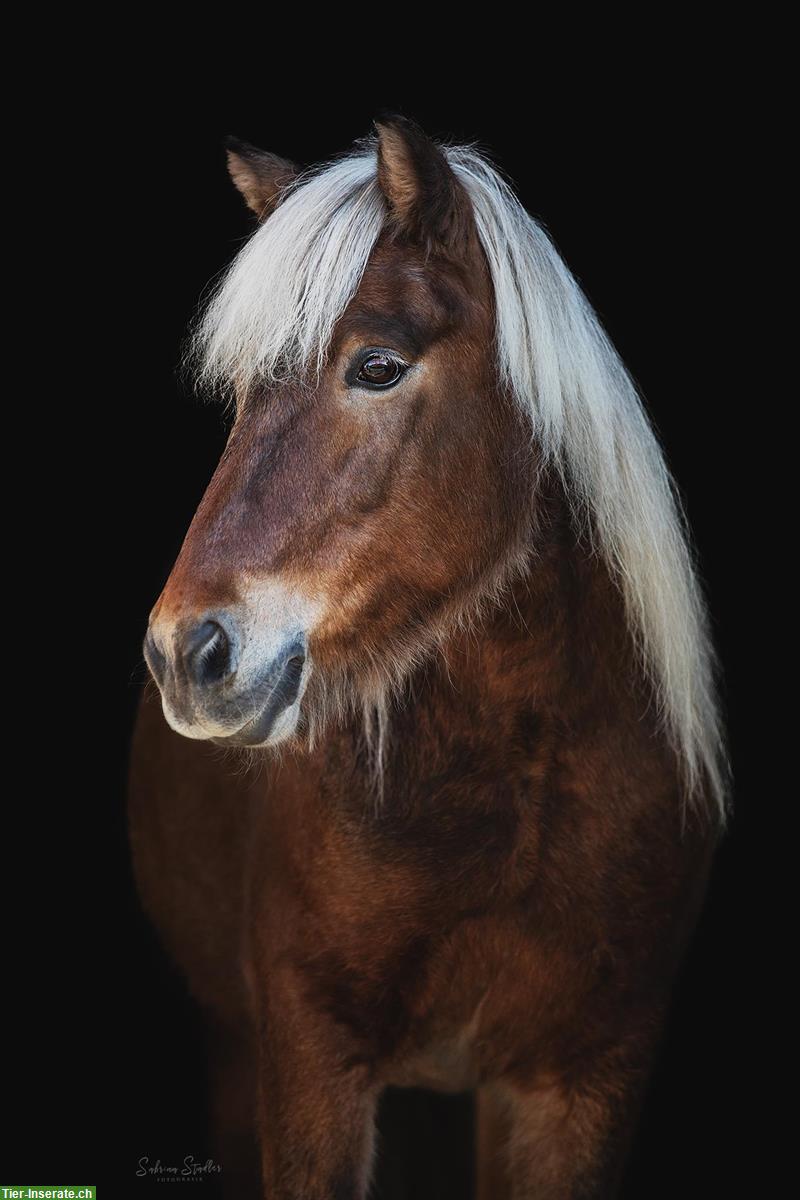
x: 380, y: 370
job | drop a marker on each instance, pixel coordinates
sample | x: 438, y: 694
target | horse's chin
x: 263, y: 731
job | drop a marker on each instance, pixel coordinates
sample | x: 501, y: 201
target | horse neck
x: 554, y: 651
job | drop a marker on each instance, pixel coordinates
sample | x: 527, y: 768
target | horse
x: 438, y: 771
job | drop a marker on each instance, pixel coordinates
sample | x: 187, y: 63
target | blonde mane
x: 272, y: 318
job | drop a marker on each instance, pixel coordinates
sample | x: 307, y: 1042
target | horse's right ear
x: 260, y: 176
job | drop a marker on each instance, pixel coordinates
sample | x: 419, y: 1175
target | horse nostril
x: 294, y: 667
x: 207, y: 653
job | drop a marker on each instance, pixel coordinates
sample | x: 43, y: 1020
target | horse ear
x: 259, y: 175
x: 426, y: 201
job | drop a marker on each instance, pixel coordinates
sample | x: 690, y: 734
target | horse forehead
x: 399, y: 279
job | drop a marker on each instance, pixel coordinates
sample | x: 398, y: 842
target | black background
x: 98, y: 1032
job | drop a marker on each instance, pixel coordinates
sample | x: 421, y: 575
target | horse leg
x: 492, y: 1129
x: 316, y: 1105
x: 569, y: 1140
x: 233, y: 1111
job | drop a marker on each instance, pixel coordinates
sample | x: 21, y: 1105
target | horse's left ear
x: 259, y: 175
x: 426, y: 201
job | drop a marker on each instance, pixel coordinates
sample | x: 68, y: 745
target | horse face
x: 349, y: 524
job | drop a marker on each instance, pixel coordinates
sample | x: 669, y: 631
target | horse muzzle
x: 220, y: 684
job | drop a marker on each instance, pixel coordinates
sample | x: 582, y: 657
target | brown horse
x: 441, y: 570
